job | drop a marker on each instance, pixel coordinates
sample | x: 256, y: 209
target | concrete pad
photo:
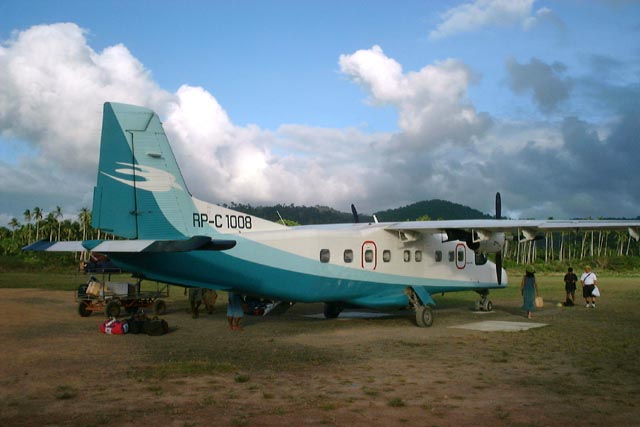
x: 499, y: 326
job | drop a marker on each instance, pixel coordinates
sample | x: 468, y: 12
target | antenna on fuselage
x: 281, y: 220
x: 356, y: 218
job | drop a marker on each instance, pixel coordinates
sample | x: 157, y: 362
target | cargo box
x: 117, y: 288
x: 95, y: 288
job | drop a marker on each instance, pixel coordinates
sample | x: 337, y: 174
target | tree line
x: 567, y: 246
x: 37, y: 225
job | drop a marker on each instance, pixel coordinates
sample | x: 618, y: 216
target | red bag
x: 114, y: 327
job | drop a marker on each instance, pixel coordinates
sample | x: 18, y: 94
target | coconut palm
x: 37, y: 216
x: 85, y: 221
x: 15, y: 225
x: 28, y: 216
x: 51, y: 223
x: 58, y: 215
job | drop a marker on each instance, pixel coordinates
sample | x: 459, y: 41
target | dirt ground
x: 57, y: 370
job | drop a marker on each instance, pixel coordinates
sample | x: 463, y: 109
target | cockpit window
x: 481, y: 259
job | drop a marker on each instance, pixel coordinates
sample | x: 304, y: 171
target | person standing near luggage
x: 234, y: 311
x: 195, y: 299
x: 529, y: 291
x: 570, y: 280
x: 209, y: 297
x: 589, y: 281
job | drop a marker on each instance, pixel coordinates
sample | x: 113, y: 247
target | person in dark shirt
x: 570, y: 280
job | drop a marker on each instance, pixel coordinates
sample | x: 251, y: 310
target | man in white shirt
x: 589, y: 281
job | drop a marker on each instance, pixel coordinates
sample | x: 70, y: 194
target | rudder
x: 140, y: 192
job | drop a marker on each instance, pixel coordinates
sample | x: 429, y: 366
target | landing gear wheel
x: 112, y: 309
x: 159, y: 307
x: 83, y: 308
x: 484, y: 304
x: 332, y: 310
x: 424, y: 316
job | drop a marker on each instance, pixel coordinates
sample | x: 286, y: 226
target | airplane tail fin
x: 140, y: 192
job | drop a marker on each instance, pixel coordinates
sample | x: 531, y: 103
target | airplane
x: 167, y: 235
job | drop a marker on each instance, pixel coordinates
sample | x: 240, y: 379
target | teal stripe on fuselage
x: 284, y: 276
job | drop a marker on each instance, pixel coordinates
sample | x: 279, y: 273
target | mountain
x: 305, y: 215
x: 434, y: 209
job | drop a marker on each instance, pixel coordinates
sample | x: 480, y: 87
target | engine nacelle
x: 488, y: 242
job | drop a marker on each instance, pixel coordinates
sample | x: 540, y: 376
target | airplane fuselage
x: 359, y: 264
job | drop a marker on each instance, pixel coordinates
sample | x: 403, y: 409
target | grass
x: 396, y: 402
x: 583, y: 353
x: 64, y: 392
x: 241, y: 378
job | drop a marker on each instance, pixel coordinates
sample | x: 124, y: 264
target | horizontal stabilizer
x: 196, y: 243
x: 45, y: 245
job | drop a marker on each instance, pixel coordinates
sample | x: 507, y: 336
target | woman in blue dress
x: 529, y: 290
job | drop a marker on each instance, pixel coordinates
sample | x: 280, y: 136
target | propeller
x: 499, y: 253
x: 356, y: 218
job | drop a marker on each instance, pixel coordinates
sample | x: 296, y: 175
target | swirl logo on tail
x: 146, y: 178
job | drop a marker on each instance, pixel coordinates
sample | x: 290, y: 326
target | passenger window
x: 386, y: 255
x: 407, y: 256
x: 438, y: 256
x: 368, y: 255
x: 418, y: 256
x: 348, y: 255
x: 325, y: 255
x: 460, y: 256
x: 451, y: 256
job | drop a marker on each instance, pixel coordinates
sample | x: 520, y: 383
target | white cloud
x: 53, y: 88
x: 431, y: 102
x: 543, y: 16
x: 480, y: 14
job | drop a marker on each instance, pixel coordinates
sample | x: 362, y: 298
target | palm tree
x: 67, y: 229
x: 58, y: 215
x: 37, y: 215
x: 15, y: 225
x: 27, y: 217
x: 85, y: 220
x: 50, y: 223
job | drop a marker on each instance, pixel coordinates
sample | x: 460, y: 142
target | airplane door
x: 461, y: 256
x: 369, y: 255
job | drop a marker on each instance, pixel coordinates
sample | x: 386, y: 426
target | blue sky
x: 377, y: 103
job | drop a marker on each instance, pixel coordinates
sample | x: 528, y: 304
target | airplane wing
x: 196, y: 243
x: 482, y: 229
x: 511, y: 225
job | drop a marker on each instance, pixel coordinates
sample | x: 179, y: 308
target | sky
x: 376, y: 103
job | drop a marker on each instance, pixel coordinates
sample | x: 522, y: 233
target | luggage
x: 155, y: 326
x: 136, y: 326
x: 114, y: 327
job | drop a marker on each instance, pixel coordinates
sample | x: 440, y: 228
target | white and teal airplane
x: 172, y: 237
